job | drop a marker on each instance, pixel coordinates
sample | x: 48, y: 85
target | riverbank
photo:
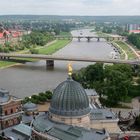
x: 48, y: 49
x: 124, y: 46
x: 127, y: 52
x: 101, y: 34
x: 59, y: 44
x: 123, y: 54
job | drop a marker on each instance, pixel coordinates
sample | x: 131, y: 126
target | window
x: 79, y: 120
x: 6, y: 112
x: 11, y: 111
x: 63, y: 119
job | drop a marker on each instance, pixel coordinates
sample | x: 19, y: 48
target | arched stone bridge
x: 108, y: 38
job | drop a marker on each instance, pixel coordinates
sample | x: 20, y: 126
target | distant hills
x: 99, y: 19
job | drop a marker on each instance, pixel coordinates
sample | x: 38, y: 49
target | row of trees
x: 112, y: 82
x: 40, y: 98
x: 9, y: 47
x: 135, y: 40
x: 37, y: 38
x: 29, y: 41
x: 111, y: 28
x: 38, y: 25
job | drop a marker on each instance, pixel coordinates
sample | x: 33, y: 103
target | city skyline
x: 73, y: 7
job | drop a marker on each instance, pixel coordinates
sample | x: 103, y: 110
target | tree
x: 135, y: 40
x: 113, y: 81
x: 94, y: 72
x: 125, y: 69
x: 34, y: 51
x: 57, y: 31
x: 48, y: 94
x: 116, y: 85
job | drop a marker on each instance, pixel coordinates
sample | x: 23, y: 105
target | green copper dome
x: 69, y: 99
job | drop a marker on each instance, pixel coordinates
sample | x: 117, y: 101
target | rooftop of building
x: 63, y: 132
x: 18, y: 132
x: 5, y: 96
x: 69, y: 99
x: 29, y: 106
x: 91, y: 92
x: 102, y: 114
x: 12, y: 32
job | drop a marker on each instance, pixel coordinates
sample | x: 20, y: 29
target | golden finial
x: 69, y: 69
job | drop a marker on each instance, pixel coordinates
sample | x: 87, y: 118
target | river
x: 32, y: 77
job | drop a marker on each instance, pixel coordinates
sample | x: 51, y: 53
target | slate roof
x: 102, y: 114
x: 4, y: 96
x: 29, y: 106
x: 69, y: 99
x: 66, y: 132
x: 91, y: 92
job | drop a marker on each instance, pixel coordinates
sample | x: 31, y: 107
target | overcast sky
x: 70, y: 7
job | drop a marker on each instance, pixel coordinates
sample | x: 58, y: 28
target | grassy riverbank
x: 128, y: 51
x: 101, y: 34
x: 4, y: 64
x: 65, y: 33
x: 59, y: 44
x: 47, y: 49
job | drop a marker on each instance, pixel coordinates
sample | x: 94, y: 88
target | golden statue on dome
x: 70, y: 69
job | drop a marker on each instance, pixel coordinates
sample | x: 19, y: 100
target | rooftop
x: 66, y: 132
x: 29, y: 106
x: 18, y: 132
x: 102, y: 114
x: 4, y: 96
x: 91, y: 92
x: 69, y: 99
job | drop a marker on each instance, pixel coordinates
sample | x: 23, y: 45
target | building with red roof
x: 14, y: 34
x: 134, y: 31
x: 1, y: 35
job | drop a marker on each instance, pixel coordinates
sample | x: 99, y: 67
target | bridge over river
x: 89, y: 37
x: 51, y: 58
x: 32, y: 77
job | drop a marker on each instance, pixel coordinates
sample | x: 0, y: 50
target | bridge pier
x: 88, y: 39
x: 49, y: 64
x: 107, y: 38
x: 79, y: 39
x: 4, y: 57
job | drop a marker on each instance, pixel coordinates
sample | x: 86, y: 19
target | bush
x: 48, y: 94
x: 21, y: 46
x: 7, y: 45
x: 40, y: 98
x: 34, y: 51
x: 138, y: 81
x: 35, y: 101
x: 12, y: 49
x: 34, y: 97
x: 26, y: 99
x: 6, y: 50
x: 1, y: 49
x: 134, y: 91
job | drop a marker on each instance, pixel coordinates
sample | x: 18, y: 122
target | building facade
x: 10, y: 110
